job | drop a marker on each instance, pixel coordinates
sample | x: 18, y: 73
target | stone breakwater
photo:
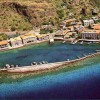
x: 44, y: 67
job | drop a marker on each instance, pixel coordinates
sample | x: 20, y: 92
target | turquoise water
x: 45, y: 52
x: 82, y: 83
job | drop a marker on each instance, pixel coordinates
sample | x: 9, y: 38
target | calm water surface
x: 45, y: 52
x: 83, y: 83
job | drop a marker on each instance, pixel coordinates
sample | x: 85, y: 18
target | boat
x: 34, y: 63
x: 43, y: 62
x: 51, y: 41
x: 73, y: 42
x: 7, y: 66
x: 46, y: 62
x: 81, y: 42
x: 63, y: 41
x: 78, y: 57
x: 68, y: 60
x: 89, y: 42
x: 40, y: 63
x: 97, y: 50
x: 84, y: 55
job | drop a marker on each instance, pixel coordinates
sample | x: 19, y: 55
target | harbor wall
x: 45, y: 67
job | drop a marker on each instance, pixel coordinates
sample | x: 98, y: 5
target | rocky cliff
x: 25, y: 14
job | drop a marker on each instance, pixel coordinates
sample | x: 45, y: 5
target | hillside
x: 25, y: 14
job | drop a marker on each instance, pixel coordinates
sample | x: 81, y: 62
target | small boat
x: 78, y: 57
x: 40, y: 63
x: 51, y: 41
x: 34, y: 63
x: 81, y: 42
x: 67, y: 59
x: 43, y: 62
x: 63, y: 41
x: 73, y: 42
x: 90, y: 53
x: 7, y: 66
x: 16, y: 66
x: 89, y: 42
x: 46, y: 62
x: 84, y: 55
x: 97, y: 50
x: 12, y: 66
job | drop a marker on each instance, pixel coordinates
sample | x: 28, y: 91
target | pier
x: 44, y: 67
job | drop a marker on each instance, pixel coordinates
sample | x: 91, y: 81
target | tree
x: 3, y: 36
x: 13, y: 28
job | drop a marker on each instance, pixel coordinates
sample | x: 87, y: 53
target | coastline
x: 39, y: 42
x: 45, y: 67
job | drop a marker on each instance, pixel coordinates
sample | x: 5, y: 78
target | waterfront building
x: 17, y: 41
x: 29, y: 38
x: 88, y: 23
x: 60, y: 34
x: 4, y: 44
x: 91, y: 34
x: 41, y: 37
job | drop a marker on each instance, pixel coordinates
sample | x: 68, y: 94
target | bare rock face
x: 35, y: 14
x: 24, y: 14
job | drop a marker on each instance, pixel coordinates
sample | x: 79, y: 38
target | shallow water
x: 80, y: 83
x: 45, y: 52
x: 83, y: 83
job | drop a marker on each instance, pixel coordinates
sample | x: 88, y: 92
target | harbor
x: 45, y: 66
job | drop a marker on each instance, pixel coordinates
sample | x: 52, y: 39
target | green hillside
x: 25, y: 14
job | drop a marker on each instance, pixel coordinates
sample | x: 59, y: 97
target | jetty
x: 44, y: 67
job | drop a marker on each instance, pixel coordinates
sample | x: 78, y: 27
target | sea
x: 82, y: 82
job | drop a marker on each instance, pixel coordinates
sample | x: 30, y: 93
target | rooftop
x: 62, y: 32
x: 27, y: 35
x: 70, y: 20
x: 41, y: 35
x: 5, y: 42
x: 91, y: 31
x: 96, y: 26
x: 15, y: 39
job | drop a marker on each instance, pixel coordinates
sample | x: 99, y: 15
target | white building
x: 15, y: 42
x: 88, y: 23
x: 41, y: 37
x: 90, y: 34
x: 29, y: 38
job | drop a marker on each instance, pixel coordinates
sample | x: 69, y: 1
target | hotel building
x: 91, y: 34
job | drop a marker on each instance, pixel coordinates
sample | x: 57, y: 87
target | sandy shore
x: 44, y: 67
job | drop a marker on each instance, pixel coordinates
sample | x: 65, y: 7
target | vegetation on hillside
x: 3, y: 37
x: 26, y: 14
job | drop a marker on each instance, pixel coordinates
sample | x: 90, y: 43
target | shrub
x: 3, y: 36
x: 60, y: 13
